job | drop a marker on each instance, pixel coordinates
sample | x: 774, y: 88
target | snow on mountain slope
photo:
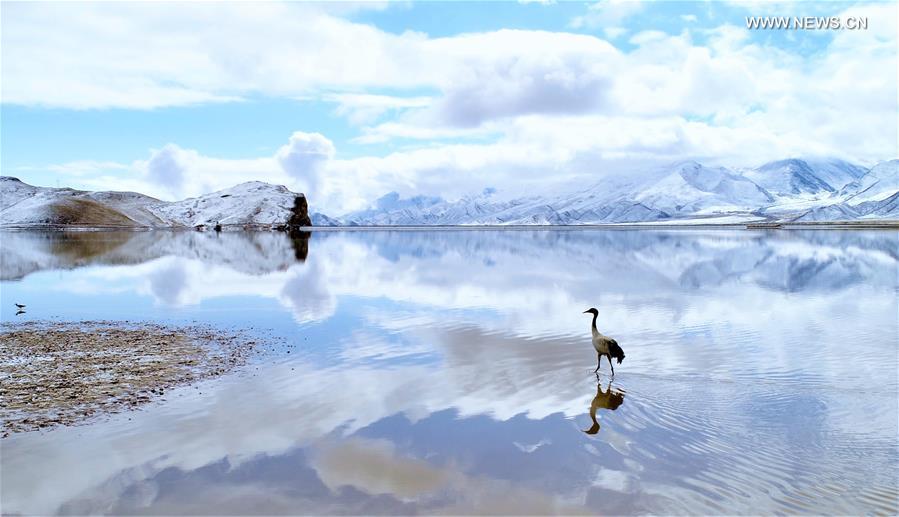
x: 800, y: 190
x: 319, y: 219
x: 874, y: 195
x: 14, y: 191
x: 884, y: 209
x: 793, y: 177
x: 690, y: 188
x: 836, y: 212
x: 24, y: 204
x: 879, y: 183
x: 254, y: 203
x: 392, y: 201
x: 685, y: 189
x: 836, y: 173
x: 390, y: 209
x: 536, y: 210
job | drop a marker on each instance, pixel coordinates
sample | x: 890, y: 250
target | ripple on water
x: 734, y: 440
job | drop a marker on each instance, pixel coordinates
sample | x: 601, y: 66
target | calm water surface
x: 452, y: 371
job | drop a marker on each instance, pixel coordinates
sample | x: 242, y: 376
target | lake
x: 452, y: 372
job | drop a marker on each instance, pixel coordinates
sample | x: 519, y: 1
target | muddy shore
x: 62, y: 373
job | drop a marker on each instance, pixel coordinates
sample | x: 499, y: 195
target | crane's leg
x: 611, y: 365
x: 598, y: 362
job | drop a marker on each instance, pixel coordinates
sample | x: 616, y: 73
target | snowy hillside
x: 793, y: 178
x: 879, y: 183
x: 691, y: 189
x: 252, y: 203
x: 685, y: 192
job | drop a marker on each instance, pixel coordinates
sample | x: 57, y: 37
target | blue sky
x: 350, y: 101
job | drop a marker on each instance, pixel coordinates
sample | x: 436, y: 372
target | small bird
x: 20, y: 306
x: 604, y: 345
x: 20, y: 312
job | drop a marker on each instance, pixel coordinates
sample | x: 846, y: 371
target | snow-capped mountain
x: 685, y: 192
x: 691, y: 188
x: 796, y: 177
x: 253, y: 203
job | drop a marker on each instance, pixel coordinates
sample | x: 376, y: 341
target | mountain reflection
x: 609, y: 399
x: 785, y: 260
x: 249, y: 252
x: 458, y: 269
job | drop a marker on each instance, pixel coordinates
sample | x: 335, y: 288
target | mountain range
x: 688, y: 192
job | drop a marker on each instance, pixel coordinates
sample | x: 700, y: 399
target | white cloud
x: 534, y: 108
x: 305, y: 158
x: 614, y: 32
x: 644, y: 37
x: 77, y: 168
x: 422, y: 126
x: 166, y: 167
x: 146, y: 56
x: 607, y: 13
x: 363, y: 108
x: 572, y: 79
x: 175, y: 173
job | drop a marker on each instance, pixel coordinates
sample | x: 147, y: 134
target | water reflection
x: 449, y: 369
x: 609, y: 399
x: 251, y: 252
x: 300, y: 242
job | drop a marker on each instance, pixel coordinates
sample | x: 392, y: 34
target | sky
x: 349, y: 101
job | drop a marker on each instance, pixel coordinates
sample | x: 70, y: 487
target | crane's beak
x: 585, y: 312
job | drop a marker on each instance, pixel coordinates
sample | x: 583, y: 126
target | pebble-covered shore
x: 61, y: 373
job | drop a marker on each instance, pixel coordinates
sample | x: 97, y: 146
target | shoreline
x: 836, y: 225
x: 755, y: 225
x: 66, y: 373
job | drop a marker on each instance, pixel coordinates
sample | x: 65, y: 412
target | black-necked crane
x: 604, y: 345
x: 20, y: 306
x: 609, y: 399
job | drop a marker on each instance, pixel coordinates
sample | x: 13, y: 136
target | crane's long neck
x: 594, y: 323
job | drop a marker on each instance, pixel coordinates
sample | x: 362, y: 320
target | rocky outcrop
x: 299, y: 212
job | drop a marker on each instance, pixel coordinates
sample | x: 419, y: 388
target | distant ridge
x: 687, y: 192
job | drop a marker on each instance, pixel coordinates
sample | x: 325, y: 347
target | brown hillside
x: 84, y: 212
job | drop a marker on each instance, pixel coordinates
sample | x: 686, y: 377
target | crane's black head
x: 592, y: 310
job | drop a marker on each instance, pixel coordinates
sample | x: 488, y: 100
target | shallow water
x: 451, y: 371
